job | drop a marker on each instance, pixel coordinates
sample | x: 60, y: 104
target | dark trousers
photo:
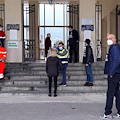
x: 55, y: 84
x: 2, y: 42
x: 113, y: 90
x: 73, y: 53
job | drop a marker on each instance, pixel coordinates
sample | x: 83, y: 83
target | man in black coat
x: 73, y: 38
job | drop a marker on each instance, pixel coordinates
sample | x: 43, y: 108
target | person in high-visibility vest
x: 3, y: 54
x: 63, y: 56
x: 2, y: 35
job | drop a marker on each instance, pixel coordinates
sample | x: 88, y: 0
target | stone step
x: 43, y: 73
x: 8, y: 69
x: 45, y: 93
x: 31, y: 77
x: 101, y: 63
x: 45, y: 82
x: 61, y: 88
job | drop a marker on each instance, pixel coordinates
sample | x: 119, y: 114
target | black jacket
x: 88, y: 55
x: 52, y: 66
x: 73, y: 36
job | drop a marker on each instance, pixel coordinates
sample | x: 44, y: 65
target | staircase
x: 30, y: 78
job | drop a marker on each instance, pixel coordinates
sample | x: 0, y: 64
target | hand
x: 86, y: 65
x: 111, y: 76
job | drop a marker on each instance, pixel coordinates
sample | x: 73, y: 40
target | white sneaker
x: 116, y: 116
x: 106, y: 116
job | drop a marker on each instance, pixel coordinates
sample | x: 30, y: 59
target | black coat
x: 52, y: 66
x: 73, y: 39
x: 88, y: 55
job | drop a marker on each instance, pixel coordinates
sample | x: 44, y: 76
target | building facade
x: 93, y: 19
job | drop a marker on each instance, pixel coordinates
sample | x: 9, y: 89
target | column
x: 36, y: 27
x: 86, y: 11
x: 13, y: 45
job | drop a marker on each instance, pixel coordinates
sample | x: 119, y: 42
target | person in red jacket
x: 2, y: 35
x: 3, y: 54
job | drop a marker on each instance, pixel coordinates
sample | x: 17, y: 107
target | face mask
x: 50, y: 36
x: 0, y: 29
x: 60, y: 48
x: 109, y: 42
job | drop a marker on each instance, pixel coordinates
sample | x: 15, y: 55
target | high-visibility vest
x: 63, y: 57
x: 3, y: 54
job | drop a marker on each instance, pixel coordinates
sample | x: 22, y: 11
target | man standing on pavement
x: 2, y: 61
x: 2, y: 35
x: 63, y: 56
x: 112, y: 68
x: 73, y: 38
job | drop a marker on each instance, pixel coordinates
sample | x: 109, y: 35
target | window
x: 53, y: 20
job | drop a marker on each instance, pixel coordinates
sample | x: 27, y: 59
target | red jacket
x: 2, y: 35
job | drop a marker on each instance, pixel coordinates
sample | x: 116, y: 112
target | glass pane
x: 56, y: 34
x: 41, y: 38
x: 59, y: 14
x: 26, y: 14
x: 41, y: 14
x: 26, y: 32
x: 42, y: 54
x: 49, y: 14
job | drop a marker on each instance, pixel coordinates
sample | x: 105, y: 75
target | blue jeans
x: 89, y: 73
x: 63, y: 71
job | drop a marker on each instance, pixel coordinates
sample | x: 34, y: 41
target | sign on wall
x: 12, y: 44
x: 87, y: 24
x: 13, y: 26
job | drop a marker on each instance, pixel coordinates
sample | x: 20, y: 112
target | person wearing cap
x: 3, y: 54
x: 88, y: 59
x: 63, y: 56
x: 2, y: 35
x: 53, y: 64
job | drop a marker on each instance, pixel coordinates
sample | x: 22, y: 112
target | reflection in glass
x: 41, y: 38
x: 59, y: 14
x: 41, y: 6
x: 49, y: 14
x: 56, y: 34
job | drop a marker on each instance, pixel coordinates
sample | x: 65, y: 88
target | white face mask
x: 109, y: 42
x: 0, y: 29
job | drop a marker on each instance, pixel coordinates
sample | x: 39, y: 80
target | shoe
x: 61, y: 84
x: 116, y: 116
x: 64, y: 84
x: 49, y: 95
x: 106, y: 116
x: 86, y: 83
x: 55, y: 95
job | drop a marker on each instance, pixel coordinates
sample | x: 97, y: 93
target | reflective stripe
x: 62, y: 56
x: 4, y: 55
x: 3, y: 52
x: 1, y: 76
x: 2, y: 37
x: 64, y: 62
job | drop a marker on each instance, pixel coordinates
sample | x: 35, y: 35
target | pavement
x: 36, y: 107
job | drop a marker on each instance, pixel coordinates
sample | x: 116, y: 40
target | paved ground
x: 82, y: 107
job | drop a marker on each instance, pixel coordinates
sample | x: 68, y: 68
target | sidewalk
x: 82, y: 107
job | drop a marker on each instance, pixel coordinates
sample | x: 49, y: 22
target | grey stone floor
x: 35, y: 107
